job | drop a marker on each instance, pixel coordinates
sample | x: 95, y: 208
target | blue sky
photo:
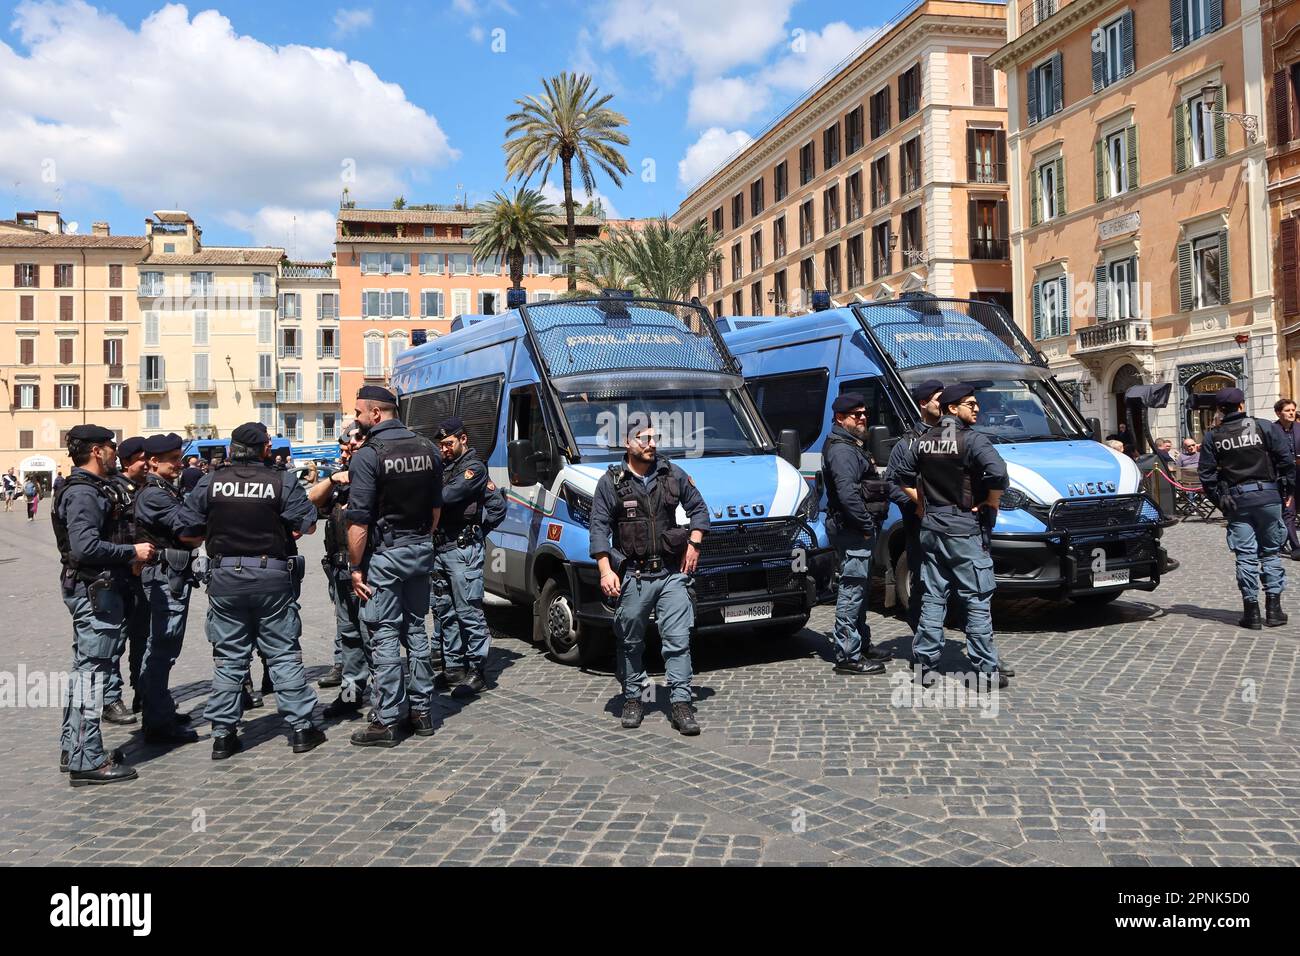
x: 255, y: 115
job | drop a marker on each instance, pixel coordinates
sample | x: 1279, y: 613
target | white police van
x: 546, y: 392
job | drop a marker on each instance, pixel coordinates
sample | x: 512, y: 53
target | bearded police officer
x: 458, y: 562
x: 857, y: 501
x: 330, y: 497
x: 249, y: 513
x: 926, y: 396
x: 645, y: 562
x: 130, y: 476
x: 955, y: 478
x: 396, y: 479
x: 167, y: 582
x: 1246, y: 469
x: 89, y: 525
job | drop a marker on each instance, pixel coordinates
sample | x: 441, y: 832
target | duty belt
x: 1252, y: 486
x: 443, y: 541
x: 270, y: 564
x: 648, y: 566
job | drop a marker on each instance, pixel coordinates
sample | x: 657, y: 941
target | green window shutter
x: 1102, y: 294
x: 1185, y: 276
x: 1225, y: 270
x: 1177, y: 37
x: 1034, y: 214
x: 1180, y: 137
x: 1063, y: 299
x: 1099, y: 164
x: 1131, y: 140
x: 1038, y: 310
x: 1060, y: 187
x: 1220, y: 127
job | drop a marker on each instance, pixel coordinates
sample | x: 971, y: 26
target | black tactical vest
x: 111, y: 528
x: 124, y: 532
x: 467, y: 513
x: 407, y: 472
x: 245, y: 499
x: 943, y: 478
x: 640, y: 519
x: 1240, y: 453
x: 874, y: 490
x: 159, y: 536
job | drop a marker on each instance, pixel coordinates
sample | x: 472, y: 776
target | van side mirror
x: 880, y: 444
x: 789, y: 447
x: 522, y: 458
x: 1094, y: 425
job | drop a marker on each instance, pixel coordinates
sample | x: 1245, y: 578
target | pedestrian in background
x: 32, y: 492
x: 190, y: 475
x: 8, y: 488
x: 1285, y: 410
x: 1190, y: 456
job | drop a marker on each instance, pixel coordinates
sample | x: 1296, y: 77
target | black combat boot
x: 116, y: 713
x: 332, y: 678
x: 473, y: 684
x: 633, y: 713
x: 252, y: 699
x: 376, y: 735
x: 682, y: 717
x: 872, y: 653
x: 170, y: 734
x: 453, y: 677
x: 110, y: 771
x: 305, y: 740
x: 860, y: 667
x: 227, y: 746
x: 420, y: 723
x: 1250, y: 615
x: 1274, y: 616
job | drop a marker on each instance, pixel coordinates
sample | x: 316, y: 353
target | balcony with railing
x: 990, y: 249
x: 328, y: 396
x: 290, y: 351
x: 263, y: 290
x: 200, y: 386
x: 329, y: 352
x: 1116, y: 334
x: 1034, y: 12
x: 151, y: 289
x: 152, y: 385
x: 308, y: 270
x: 989, y: 173
x: 263, y: 385
x: 291, y: 396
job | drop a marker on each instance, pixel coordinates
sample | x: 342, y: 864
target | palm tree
x: 568, y: 122
x: 513, y: 227
x: 662, y: 261
x: 596, y: 266
x: 399, y: 202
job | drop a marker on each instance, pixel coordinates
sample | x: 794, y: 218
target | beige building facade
x: 309, y: 350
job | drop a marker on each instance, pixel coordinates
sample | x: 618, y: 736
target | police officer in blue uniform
x: 645, y: 563
x: 955, y: 478
x: 89, y: 530
x: 1246, y: 469
x: 248, y: 514
x: 458, y: 562
x: 926, y: 396
x: 167, y: 582
x: 857, y: 500
x: 130, y: 476
x: 351, y: 649
x: 394, y: 505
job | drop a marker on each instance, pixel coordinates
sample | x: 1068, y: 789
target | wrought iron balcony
x: 152, y: 386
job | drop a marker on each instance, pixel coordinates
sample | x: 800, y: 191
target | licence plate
x: 1106, y: 579
x: 747, y: 612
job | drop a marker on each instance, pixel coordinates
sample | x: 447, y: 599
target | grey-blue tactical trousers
x: 956, y: 565
x: 852, y: 632
x: 168, y: 614
x: 351, y: 653
x: 97, y: 632
x: 1256, y: 535
x: 135, y: 637
x: 237, y: 623
x: 394, y: 618
x: 458, y: 603
x: 667, y: 596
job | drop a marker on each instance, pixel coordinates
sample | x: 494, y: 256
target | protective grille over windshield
x: 927, y: 331
x: 579, y: 336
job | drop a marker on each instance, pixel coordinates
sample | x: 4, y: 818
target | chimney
x: 99, y: 229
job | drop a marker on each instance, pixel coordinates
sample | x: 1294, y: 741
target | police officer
x: 130, y: 476
x: 396, y: 496
x: 955, y: 478
x: 458, y: 562
x: 167, y: 582
x: 857, y: 500
x: 1246, y: 469
x: 645, y: 563
x: 330, y: 497
x: 88, y: 514
x: 248, y: 514
x: 926, y: 396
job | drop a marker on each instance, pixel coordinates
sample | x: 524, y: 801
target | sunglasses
x: 648, y: 440
x: 861, y: 414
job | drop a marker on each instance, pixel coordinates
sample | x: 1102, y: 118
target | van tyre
x: 555, y: 624
x: 902, y: 584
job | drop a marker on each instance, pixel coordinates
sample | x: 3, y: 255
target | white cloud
x: 476, y: 33
x: 348, y: 21
x: 706, y: 153
x: 184, y: 110
x: 554, y: 194
x: 306, y: 234
x: 726, y: 101
x: 816, y: 54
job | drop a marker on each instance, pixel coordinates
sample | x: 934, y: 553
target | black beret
x: 925, y: 391
x: 1229, y: 396
x: 953, y: 394
x: 94, y: 434
x: 163, y: 444
x: 376, y: 393
x: 847, y: 402
x: 130, y: 447
x: 251, y: 434
x: 452, y: 426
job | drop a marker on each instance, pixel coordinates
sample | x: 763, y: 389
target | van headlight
x: 1013, y: 500
x: 808, y: 508
x: 579, y: 504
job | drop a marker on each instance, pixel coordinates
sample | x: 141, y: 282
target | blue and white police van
x: 1074, y: 522
x: 546, y: 392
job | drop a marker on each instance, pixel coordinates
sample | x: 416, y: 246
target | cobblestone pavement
x: 1152, y: 731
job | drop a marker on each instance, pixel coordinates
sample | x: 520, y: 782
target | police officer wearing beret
x: 926, y: 396
x: 89, y: 517
x: 645, y: 562
x: 131, y: 470
x: 1246, y: 469
x: 954, y: 478
x: 394, y: 505
x: 167, y: 582
x: 249, y: 515
x: 857, y: 501
x: 330, y: 496
x: 458, y: 562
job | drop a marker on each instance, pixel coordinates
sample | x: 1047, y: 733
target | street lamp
x: 1249, y: 122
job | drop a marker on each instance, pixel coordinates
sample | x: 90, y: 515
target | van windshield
x: 689, y: 424
x: 1016, y: 410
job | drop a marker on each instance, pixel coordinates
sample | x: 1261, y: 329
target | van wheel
x: 1095, y: 600
x: 902, y: 584
x: 556, y: 622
